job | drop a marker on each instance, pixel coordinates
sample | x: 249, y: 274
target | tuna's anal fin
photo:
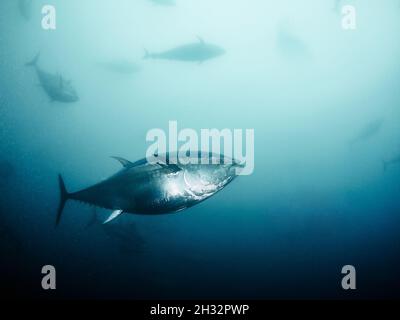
x: 125, y: 163
x: 113, y: 216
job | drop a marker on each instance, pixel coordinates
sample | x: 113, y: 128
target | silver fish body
x: 151, y: 188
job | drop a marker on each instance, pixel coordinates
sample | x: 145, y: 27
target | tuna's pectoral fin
x: 125, y: 163
x: 173, y: 167
x: 113, y: 216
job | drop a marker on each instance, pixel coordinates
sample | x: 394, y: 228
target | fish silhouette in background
x: 391, y: 162
x: 199, y: 52
x: 125, y: 233
x: 120, y: 67
x: 168, y: 3
x: 156, y: 188
x: 25, y: 8
x: 291, y: 46
x: 56, y: 87
x: 368, y: 131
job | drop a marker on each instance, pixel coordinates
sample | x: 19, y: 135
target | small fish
x: 199, y: 52
x: 368, y: 131
x: 56, y: 87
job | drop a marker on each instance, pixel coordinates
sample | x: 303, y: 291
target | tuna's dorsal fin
x: 113, y: 216
x: 201, y: 40
x: 125, y: 163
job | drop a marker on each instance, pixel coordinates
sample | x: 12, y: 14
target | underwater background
x: 325, y: 106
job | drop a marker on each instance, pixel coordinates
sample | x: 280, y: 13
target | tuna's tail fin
x: 33, y: 63
x: 64, y: 196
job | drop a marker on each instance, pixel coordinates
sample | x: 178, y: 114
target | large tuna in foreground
x: 155, y: 188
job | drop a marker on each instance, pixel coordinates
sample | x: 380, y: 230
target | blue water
x: 315, y: 202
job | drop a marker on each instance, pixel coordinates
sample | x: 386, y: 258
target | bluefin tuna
x: 56, y: 87
x: 199, y: 51
x: 149, y: 188
x: 368, y: 131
